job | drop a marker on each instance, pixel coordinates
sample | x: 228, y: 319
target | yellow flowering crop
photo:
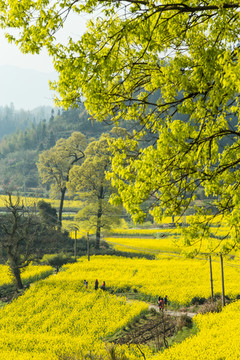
x: 144, y: 244
x: 168, y: 244
x: 144, y: 231
x: 59, y: 316
x: 31, y: 273
x: 32, y: 201
x: 218, y: 338
x: 181, y: 279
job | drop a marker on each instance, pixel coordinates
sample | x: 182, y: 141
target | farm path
x: 172, y: 312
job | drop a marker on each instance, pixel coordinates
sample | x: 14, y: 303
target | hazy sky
x: 10, y: 55
x: 20, y: 92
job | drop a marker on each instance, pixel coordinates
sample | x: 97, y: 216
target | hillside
x: 19, y: 150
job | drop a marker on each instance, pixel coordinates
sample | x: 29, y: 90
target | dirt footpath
x: 172, y: 312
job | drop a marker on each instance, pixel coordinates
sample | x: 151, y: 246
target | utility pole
x: 223, y: 291
x: 211, y: 279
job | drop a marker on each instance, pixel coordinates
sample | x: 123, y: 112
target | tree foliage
x: 48, y: 214
x: 154, y: 62
x: 19, y: 151
x: 55, y: 164
x: 89, y: 182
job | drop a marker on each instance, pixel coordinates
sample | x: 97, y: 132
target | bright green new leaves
x: 171, y: 67
x: 55, y: 164
x: 89, y: 181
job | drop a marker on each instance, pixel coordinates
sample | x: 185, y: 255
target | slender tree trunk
x: 98, y: 231
x: 63, y: 191
x: 211, y: 279
x: 99, y: 222
x: 223, y: 290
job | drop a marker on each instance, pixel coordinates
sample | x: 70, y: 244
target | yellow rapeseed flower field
x: 160, y: 244
x: 218, y: 338
x: 180, y: 278
x: 143, y: 232
x: 59, y: 316
x: 29, y: 274
x: 32, y: 201
x: 145, y: 245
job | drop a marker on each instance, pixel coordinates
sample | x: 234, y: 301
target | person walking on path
x: 161, y: 304
x: 96, y: 284
x: 165, y: 300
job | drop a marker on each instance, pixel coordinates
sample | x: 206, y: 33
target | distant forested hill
x: 12, y: 120
x: 34, y: 133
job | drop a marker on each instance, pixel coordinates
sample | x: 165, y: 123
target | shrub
x: 57, y: 260
x: 211, y: 306
x: 197, y: 300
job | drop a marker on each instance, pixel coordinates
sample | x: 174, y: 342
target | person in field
x: 96, y: 284
x: 160, y: 303
x: 165, y: 300
x: 103, y: 286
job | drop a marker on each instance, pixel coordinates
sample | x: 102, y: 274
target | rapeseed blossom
x: 217, y: 338
x: 29, y: 274
x: 180, y: 278
x: 59, y: 316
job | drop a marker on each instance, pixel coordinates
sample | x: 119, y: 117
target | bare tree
x: 19, y: 231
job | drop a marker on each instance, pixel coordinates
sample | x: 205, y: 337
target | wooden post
x: 88, y: 252
x: 211, y: 279
x: 75, y: 245
x: 223, y: 291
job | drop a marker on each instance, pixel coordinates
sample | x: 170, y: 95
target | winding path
x: 172, y: 312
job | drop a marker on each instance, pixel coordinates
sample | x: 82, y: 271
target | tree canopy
x: 172, y: 66
x: 89, y: 182
x: 55, y: 164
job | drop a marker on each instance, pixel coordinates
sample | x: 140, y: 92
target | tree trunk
x: 17, y: 275
x: 99, y: 223
x: 98, y: 231
x: 15, y: 270
x: 63, y: 191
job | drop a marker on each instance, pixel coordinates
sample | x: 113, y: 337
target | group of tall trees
x: 153, y: 62
x: 80, y: 168
x: 71, y: 164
